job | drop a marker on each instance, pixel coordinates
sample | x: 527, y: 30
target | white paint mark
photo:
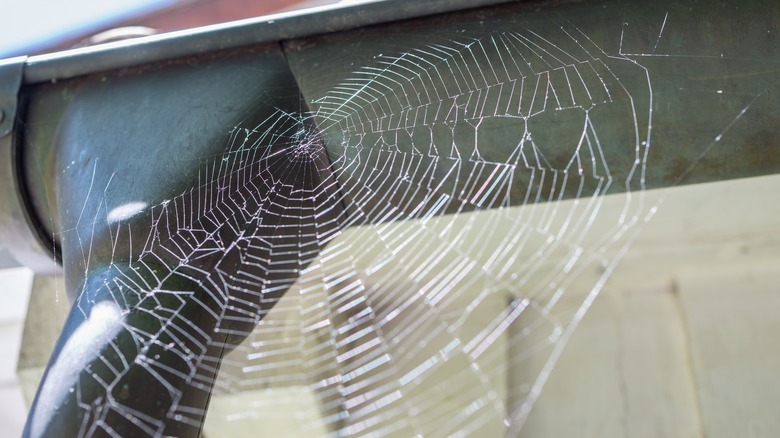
x: 104, y: 322
x: 125, y: 211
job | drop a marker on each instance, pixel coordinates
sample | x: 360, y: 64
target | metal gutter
x: 270, y: 28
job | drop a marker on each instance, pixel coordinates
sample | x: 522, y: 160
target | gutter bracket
x: 11, y: 74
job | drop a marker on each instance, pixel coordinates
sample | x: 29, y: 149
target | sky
x: 31, y: 23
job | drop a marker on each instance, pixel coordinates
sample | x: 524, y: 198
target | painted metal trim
x: 270, y: 28
x: 11, y: 74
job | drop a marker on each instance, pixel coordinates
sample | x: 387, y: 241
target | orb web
x: 406, y: 256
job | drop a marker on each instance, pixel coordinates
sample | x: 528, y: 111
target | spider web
x: 465, y: 257
x: 438, y: 256
x: 413, y: 252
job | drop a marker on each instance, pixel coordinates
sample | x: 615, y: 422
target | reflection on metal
x: 191, y: 179
x: 11, y: 73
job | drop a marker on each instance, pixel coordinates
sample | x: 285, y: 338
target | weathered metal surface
x: 107, y: 140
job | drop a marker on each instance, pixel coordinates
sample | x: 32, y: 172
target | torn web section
x: 474, y: 171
